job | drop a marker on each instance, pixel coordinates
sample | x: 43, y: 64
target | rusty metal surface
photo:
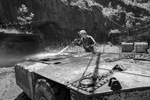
x: 70, y: 69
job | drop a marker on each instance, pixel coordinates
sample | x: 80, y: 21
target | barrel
x: 127, y: 47
x: 140, y: 47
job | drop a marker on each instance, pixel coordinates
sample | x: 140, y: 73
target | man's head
x: 82, y: 33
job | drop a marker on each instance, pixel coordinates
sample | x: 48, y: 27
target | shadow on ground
x: 22, y: 96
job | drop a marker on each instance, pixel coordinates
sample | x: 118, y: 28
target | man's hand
x: 76, y: 41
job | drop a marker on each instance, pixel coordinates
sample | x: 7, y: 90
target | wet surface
x: 75, y: 68
x: 72, y: 68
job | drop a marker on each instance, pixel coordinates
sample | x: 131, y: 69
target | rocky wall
x: 65, y: 17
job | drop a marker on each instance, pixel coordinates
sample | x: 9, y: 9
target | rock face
x: 65, y: 17
x: 61, y: 19
x: 67, y: 14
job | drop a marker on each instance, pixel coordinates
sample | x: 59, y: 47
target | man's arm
x: 77, y: 41
x: 94, y: 42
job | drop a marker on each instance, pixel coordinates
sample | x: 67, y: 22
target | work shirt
x: 88, y: 42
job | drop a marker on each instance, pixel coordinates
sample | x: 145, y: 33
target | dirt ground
x: 8, y: 87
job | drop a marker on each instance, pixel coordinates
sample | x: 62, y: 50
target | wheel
x: 43, y: 90
x: 48, y: 90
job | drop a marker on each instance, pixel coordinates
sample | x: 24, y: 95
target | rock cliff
x: 62, y: 18
x: 67, y: 16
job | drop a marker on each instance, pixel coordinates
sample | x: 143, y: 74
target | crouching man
x: 86, y: 41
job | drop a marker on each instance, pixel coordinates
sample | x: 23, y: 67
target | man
x: 86, y: 41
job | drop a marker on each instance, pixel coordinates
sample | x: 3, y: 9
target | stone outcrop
x: 65, y: 16
x: 62, y: 19
x: 68, y: 14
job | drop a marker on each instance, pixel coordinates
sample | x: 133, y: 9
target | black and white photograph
x: 74, y: 49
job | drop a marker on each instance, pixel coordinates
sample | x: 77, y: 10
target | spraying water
x: 62, y: 50
x: 44, y: 55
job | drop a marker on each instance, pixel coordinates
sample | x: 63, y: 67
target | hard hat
x: 82, y: 32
